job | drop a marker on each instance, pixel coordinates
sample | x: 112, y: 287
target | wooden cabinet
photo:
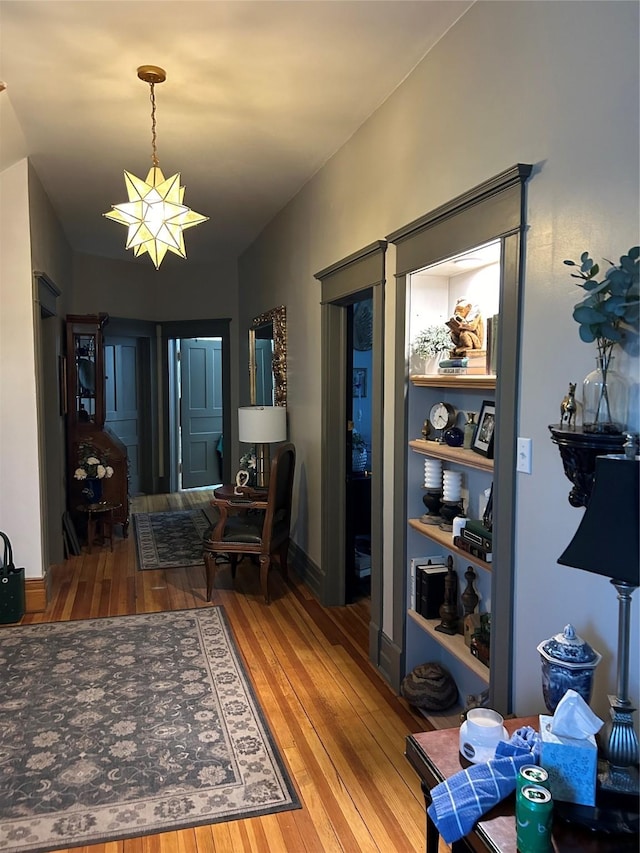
x: 85, y: 396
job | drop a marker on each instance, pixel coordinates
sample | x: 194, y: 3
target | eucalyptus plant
x: 609, y: 313
x: 610, y: 310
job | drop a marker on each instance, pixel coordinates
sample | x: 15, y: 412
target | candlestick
x: 452, y: 490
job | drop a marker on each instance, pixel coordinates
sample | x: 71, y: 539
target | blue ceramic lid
x: 569, y: 650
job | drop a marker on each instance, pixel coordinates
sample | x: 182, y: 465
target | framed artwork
x: 360, y: 382
x: 483, y: 437
x: 363, y: 325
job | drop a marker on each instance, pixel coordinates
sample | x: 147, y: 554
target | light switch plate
x: 524, y: 452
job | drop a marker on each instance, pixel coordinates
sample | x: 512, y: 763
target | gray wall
x: 510, y: 82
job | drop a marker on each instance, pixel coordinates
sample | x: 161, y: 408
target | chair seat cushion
x: 243, y: 529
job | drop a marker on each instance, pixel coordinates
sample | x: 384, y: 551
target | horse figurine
x: 569, y: 407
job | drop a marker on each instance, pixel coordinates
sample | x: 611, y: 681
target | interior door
x: 200, y: 411
x: 358, y: 446
x: 122, y: 391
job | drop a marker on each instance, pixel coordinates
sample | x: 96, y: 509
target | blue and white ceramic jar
x: 568, y: 662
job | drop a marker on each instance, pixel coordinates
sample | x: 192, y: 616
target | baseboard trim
x: 390, y: 661
x: 306, y: 569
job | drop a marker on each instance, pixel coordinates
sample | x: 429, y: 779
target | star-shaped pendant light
x: 155, y: 214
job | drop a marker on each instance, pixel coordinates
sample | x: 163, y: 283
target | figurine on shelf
x: 449, y: 607
x: 469, y: 596
x: 470, y: 621
x: 467, y: 327
x: 569, y: 407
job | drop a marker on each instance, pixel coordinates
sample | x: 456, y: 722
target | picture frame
x: 360, y: 382
x: 483, y: 438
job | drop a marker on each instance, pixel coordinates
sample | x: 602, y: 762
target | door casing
x: 341, y: 284
x: 490, y: 211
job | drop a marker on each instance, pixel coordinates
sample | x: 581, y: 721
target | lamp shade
x: 262, y: 424
x: 606, y: 542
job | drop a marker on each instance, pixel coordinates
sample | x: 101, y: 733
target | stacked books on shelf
x: 476, y: 539
x: 473, y: 362
x: 429, y: 588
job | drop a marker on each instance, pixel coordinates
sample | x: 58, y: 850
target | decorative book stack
x: 430, y: 589
x: 471, y: 362
x: 476, y: 539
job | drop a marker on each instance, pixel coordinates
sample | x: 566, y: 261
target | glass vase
x: 605, y: 397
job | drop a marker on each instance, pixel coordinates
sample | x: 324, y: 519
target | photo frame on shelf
x: 360, y: 382
x: 483, y: 438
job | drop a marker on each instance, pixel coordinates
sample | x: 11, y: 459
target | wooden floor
x: 340, y: 728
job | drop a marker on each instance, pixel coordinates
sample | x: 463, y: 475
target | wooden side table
x: 435, y: 757
x: 99, y: 518
x: 248, y: 494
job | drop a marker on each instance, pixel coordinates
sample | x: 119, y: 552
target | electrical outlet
x: 524, y: 451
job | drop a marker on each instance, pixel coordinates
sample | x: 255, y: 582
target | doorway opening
x: 197, y: 425
x: 358, y: 449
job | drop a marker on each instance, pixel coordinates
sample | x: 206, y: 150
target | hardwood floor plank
x: 339, y: 726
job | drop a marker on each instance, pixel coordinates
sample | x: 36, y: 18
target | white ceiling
x: 258, y: 96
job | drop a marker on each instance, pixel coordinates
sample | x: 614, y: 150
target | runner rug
x: 130, y: 725
x: 170, y: 539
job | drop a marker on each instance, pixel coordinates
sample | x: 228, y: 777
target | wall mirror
x: 268, y: 358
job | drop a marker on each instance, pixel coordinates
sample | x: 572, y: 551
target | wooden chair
x: 254, y: 525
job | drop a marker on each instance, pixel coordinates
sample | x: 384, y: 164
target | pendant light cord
x: 154, y: 157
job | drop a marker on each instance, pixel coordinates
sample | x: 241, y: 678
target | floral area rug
x: 129, y: 725
x: 171, y: 539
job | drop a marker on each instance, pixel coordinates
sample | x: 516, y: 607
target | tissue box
x: 571, y: 764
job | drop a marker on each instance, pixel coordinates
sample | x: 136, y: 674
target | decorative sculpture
x: 569, y: 407
x: 449, y: 607
x: 466, y: 327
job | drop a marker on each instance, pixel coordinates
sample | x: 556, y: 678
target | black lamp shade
x: 606, y: 542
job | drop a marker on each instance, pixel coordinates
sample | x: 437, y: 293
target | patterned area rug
x: 171, y: 539
x: 129, y: 725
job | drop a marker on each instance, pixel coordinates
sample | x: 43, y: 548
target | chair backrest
x: 278, y: 514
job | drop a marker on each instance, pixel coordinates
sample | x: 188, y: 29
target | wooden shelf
x: 443, y: 537
x: 452, y: 454
x: 455, y: 645
x: 455, y: 380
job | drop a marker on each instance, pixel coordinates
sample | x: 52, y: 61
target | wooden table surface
x: 435, y: 756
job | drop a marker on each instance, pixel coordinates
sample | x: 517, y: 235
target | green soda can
x: 531, y: 774
x: 534, y: 816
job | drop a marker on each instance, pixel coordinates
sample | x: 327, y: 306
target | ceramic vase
x: 92, y: 490
x: 568, y: 662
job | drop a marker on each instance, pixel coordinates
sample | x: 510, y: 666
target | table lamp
x: 606, y: 543
x: 262, y: 426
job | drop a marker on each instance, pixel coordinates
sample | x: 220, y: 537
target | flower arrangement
x: 248, y: 461
x: 432, y: 341
x: 608, y: 314
x: 91, y: 466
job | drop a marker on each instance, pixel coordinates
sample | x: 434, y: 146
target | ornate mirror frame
x: 277, y: 318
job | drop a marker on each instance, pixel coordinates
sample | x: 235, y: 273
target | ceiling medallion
x: 155, y: 214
